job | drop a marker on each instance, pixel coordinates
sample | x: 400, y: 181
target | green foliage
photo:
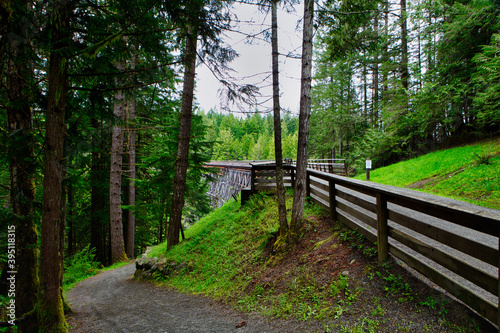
x: 79, y: 267
x: 361, y: 109
x: 249, y: 138
x: 487, y: 77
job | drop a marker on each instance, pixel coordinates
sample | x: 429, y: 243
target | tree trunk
x: 98, y: 199
x: 131, y: 180
x: 304, y: 116
x: 70, y: 219
x: 278, y: 150
x: 375, y: 112
x: 22, y: 182
x: 404, y: 46
x: 385, y: 52
x: 184, y: 136
x: 115, y: 180
x: 365, y: 93
x: 50, y: 307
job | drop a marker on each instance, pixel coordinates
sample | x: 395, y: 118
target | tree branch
x: 128, y: 71
x: 119, y: 88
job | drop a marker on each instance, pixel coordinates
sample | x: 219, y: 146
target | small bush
x: 80, y: 266
x: 483, y: 158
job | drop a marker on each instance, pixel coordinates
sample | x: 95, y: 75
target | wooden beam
x: 382, y: 230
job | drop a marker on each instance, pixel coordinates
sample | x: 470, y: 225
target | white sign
x: 368, y: 164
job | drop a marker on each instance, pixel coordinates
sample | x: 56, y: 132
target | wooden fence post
x: 308, y: 185
x: 333, y: 201
x: 252, y: 179
x: 382, y: 230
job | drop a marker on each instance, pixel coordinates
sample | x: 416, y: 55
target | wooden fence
x: 429, y: 233
x: 336, y: 166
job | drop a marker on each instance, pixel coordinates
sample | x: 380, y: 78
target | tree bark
x: 184, y: 136
x: 98, y: 199
x: 131, y: 180
x: 115, y: 180
x: 375, y: 112
x: 50, y: 307
x: 304, y: 116
x: 22, y: 182
x: 404, y: 46
x: 278, y: 150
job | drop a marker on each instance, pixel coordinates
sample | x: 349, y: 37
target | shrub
x: 80, y: 266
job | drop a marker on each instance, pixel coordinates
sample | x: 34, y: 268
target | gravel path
x: 114, y: 302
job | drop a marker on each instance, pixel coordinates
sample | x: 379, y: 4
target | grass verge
x: 470, y: 173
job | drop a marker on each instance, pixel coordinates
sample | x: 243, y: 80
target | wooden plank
x: 462, y: 244
x: 324, y: 196
x: 252, y: 180
x: 358, y: 188
x: 448, y: 213
x: 265, y: 180
x: 317, y: 184
x: 478, y: 303
x: 264, y: 166
x: 265, y: 174
x: 357, y: 214
x: 498, y: 303
x: 319, y: 201
x: 474, y: 275
x: 308, y: 185
x: 382, y: 229
x: 355, y: 226
x: 271, y: 187
x: 333, y: 201
x: 357, y: 201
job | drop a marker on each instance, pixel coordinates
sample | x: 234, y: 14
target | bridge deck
x: 245, y: 165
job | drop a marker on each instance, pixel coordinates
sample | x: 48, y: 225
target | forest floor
x: 366, y: 297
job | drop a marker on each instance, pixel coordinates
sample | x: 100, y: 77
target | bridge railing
x: 431, y: 234
x: 336, y: 166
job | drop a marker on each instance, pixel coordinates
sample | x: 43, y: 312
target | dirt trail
x: 114, y: 302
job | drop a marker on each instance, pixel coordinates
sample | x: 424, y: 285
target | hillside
x: 331, y: 279
x: 469, y: 173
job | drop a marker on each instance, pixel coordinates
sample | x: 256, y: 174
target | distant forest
x: 250, y: 137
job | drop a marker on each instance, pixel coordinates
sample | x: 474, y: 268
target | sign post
x: 368, y: 167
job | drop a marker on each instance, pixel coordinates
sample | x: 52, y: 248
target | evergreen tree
x: 304, y: 115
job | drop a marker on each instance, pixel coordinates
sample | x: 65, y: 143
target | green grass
x: 459, y: 173
x: 221, y: 245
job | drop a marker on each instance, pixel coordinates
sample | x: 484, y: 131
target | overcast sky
x: 253, y: 66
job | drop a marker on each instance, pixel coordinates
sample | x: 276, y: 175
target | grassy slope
x: 229, y: 258
x: 221, y: 246
x: 454, y: 173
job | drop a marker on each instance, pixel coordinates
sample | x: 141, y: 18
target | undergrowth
x: 81, y: 266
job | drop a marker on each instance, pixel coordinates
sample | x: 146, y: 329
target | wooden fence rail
x: 429, y: 233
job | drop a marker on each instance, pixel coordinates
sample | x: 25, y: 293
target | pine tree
x: 304, y: 115
x: 50, y: 307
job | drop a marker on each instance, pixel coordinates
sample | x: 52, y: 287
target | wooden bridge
x: 230, y: 177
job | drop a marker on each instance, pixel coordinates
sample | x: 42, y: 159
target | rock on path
x: 114, y: 302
